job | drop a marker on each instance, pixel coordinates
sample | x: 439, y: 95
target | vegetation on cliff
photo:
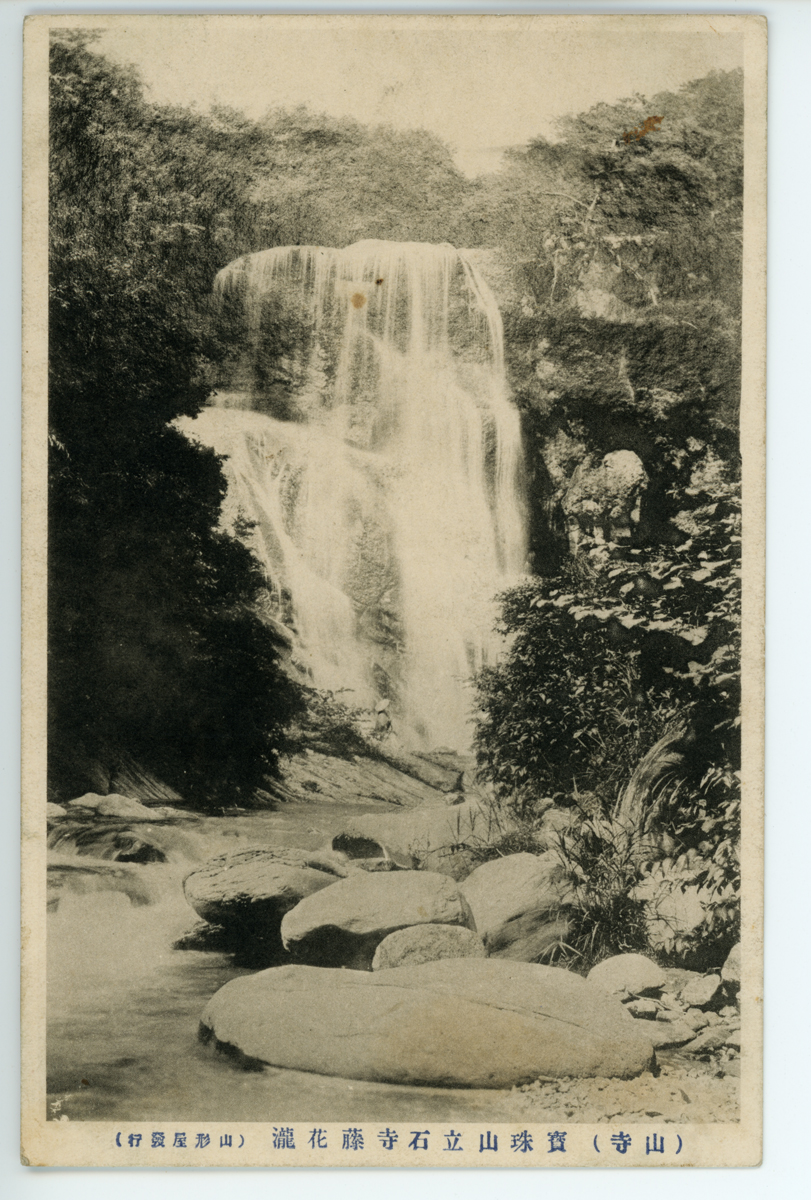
x: 620, y: 691
x: 156, y: 651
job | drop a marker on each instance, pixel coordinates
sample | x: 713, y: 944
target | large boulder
x: 259, y: 886
x: 426, y: 943
x: 345, y: 926
x: 455, y: 1023
x: 604, y: 501
x: 519, y: 904
x: 628, y: 975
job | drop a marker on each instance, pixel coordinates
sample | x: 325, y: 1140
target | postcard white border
x: 790, y: 29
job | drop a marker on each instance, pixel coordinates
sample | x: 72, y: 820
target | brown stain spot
x: 358, y: 299
x: 651, y: 125
x: 85, y: 1083
x: 378, y: 282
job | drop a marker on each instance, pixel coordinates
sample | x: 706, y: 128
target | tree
x: 156, y: 649
x: 620, y: 693
x: 331, y: 181
x: 624, y: 332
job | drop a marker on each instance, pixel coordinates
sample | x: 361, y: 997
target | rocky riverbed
x: 351, y: 935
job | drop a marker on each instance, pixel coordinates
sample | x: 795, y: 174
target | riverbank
x: 125, y: 1003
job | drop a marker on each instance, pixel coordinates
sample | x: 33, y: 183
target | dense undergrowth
x: 619, y: 696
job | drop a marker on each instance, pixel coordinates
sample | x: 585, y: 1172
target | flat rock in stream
x: 84, y: 875
x: 257, y: 887
x: 478, y: 1023
x: 344, y: 925
x: 123, y: 807
x: 368, y: 853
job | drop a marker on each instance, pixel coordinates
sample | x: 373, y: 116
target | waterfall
x: 370, y: 437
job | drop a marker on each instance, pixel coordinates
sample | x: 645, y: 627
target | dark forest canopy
x: 622, y: 331
x: 156, y: 652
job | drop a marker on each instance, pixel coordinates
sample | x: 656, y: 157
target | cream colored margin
x: 51, y: 1143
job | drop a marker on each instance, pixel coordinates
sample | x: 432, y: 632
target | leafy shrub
x: 625, y: 645
x: 606, y: 918
x: 331, y: 726
x: 706, y: 827
x: 565, y: 711
x: 524, y: 840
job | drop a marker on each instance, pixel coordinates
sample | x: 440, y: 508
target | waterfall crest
x: 370, y: 438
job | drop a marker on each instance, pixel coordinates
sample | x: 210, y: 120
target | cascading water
x: 370, y: 438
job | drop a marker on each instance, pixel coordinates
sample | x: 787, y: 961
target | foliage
x: 329, y: 725
x: 525, y: 838
x: 662, y: 214
x: 623, y: 331
x: 564, y: 711
x: 706, y: 827
x: 331, y: 181
x: 155, y: 646
x: 678, y: 607
x: 622, y: 646
x: 606, y: 917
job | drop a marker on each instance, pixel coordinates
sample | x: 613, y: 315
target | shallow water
x: 124, y: 1007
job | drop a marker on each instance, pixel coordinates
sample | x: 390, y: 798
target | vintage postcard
x: 393, y: 590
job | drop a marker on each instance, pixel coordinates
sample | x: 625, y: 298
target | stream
x: 124, y: 1006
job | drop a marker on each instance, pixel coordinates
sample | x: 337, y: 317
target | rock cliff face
x: 604, y: 500
x: 585, y: 470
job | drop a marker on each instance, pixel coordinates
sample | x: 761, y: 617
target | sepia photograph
x: 394, y: 404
